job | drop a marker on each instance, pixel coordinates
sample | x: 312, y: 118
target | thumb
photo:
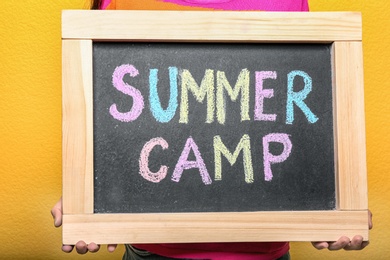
x: 56, y: 212
x: 320, y: 245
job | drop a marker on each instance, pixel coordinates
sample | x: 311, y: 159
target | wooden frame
x: 81, y: 28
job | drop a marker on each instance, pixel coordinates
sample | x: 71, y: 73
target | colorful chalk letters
x: 213, y: 89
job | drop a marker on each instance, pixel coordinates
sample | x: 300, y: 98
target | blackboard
x: 316, y: 191
x: 305, y: 180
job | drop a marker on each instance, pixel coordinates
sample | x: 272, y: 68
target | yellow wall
x: 376, y: 39
x: 30, y: 127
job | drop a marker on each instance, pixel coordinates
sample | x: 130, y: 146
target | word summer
x: 214, y: 87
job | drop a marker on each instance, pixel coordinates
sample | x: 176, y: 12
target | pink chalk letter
x: 144, y: 161
x: 269, y: 158
x: 184, y: 164
x: 119, y: 84
x: 263, y: 93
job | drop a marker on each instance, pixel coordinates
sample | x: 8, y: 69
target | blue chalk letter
x: 161, y: 115
x: 298, y: 97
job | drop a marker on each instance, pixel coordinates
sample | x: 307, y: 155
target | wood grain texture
x: 211, y: 26
x: 77, y: 126
x: 350, y: 122
x: 215, y: 227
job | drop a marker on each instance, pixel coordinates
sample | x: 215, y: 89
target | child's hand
x: 345, y: 243
x: 81, y: 246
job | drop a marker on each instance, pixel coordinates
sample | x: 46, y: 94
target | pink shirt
x: 220, y: 251
x: 226, y: 251
x: 237, y: 5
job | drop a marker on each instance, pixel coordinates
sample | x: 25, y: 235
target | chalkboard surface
x: 286, y: 125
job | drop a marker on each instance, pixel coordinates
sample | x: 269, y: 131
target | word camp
x: 214, y: 88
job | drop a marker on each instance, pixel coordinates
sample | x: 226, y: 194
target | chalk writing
x: 207, y: 88
x: 216, y: 106
x: 194, y: 127
x: 138, y: 104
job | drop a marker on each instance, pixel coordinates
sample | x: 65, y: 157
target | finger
x: 81, y: 247
x: 67, y: 248
x: 364, y: 244
x: 320, y: 245
x: 339, y: 244
x: 111, y: 248
x: 370, y: 224
x: 56, y: 212
x: 93, y: 248
x: 357, y: 243
x: 57, y: 217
